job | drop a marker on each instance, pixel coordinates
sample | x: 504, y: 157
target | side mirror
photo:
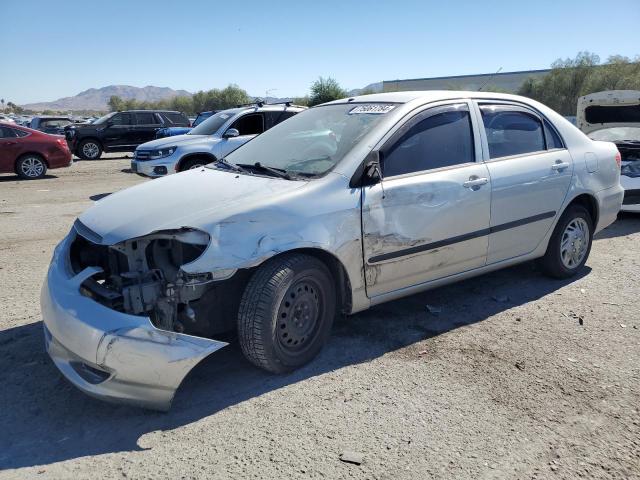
x: 231, y: 133
x: 109, y: 123
x: 369, y: 171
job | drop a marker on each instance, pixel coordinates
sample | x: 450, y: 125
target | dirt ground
x: 517, y: 376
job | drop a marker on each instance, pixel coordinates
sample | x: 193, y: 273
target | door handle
x: 475, y: 182
x: 560, y: 165
x: 10, y: 143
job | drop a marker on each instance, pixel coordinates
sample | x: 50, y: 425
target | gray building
x: 504, y: 81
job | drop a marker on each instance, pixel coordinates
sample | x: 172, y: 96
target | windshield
x: 201, y: 118
x: 314, y: 141
x: 616, y: 134
x: 212, y: 124
x: 104, y: 118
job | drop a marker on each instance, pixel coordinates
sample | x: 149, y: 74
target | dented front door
x: 427, y: 224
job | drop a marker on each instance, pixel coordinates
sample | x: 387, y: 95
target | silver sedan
x: 344, y: 206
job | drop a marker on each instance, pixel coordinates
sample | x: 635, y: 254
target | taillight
x: 618, y: 159
x: 62, y: 142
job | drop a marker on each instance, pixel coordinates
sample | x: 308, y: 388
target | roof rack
x: 288, y: 103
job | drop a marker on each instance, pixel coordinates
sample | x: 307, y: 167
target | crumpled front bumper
x: 108, y: 354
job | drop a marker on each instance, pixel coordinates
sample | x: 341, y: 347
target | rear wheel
x: 286, y: 312
x: 570, y: 243
x: 89, y: 150
x: 31, y: 167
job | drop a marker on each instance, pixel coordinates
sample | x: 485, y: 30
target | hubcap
x: 574, y: 244
x: 298, y: 315
x: 90, y: 150
x: 32, y: 167
x: 197, y: 165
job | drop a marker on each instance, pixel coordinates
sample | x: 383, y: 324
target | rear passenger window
x: 250, y: 124
x: 6, y: 132
x: 274, y: 118
x: 511, y: 132
x: 441, y: 140
x: 146, y: 118
x: 553, y: 139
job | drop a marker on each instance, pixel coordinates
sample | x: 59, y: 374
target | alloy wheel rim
x: 197, y: 165
x: 299, y: 315
x: 574, y: 243
x: 90, y: 150
x: 32, y: 167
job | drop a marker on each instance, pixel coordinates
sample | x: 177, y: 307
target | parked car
x: 420, y: 190
x: 614, y: 116
x: 119, y: 131
x: 6, y: 119
x: 173, y: 131
x: 29, y: 153
x: 211, y: 140
x: 50, y: 124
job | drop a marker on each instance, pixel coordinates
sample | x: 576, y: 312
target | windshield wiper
x: 229, y: 165
x: 276, y: 172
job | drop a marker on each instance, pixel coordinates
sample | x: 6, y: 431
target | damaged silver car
x: 344, y: 206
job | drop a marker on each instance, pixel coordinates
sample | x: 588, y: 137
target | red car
x: 29, y: 153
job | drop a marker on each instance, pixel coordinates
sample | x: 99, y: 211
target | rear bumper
x: 609, y: 202
x: 108, y: 354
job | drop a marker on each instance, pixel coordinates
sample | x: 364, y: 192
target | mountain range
x: 97, y: 98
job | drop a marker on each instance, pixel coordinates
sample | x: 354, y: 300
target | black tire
x: 31, y: 167
x: 552, y: 263
x: 89, y: 149
x: 195, y: 162
x: 286, y: 312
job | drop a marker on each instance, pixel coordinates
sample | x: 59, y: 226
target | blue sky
x: 53, y: 49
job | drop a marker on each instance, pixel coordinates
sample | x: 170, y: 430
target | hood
x: 198, y: 198
x: 608, y: 109
x: 179, y: 140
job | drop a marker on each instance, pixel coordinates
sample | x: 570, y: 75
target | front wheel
x: 570, y: 244
x: 31, y: 167
x: 194, y: 163
x: 286, y: 312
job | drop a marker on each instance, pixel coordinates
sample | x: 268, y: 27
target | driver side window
x: 443, y: 139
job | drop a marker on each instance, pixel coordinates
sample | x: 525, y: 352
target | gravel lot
x: 518, y: 376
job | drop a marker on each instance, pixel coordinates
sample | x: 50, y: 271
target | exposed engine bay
x: 143, y: 276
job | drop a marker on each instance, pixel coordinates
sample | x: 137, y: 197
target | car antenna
x: 490, y: 78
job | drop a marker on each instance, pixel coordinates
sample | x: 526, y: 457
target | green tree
x: 570, y: 79
x: 325, y: 90
x: 115, y: 103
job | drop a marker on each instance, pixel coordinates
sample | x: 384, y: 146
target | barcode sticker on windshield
x: 375, y: 109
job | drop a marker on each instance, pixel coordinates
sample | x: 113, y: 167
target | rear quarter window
x: 176, y: 119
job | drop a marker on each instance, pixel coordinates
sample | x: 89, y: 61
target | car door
x: 248, y: 126
x: 146, y: 124
x: 429, y: 216
x: 9, y: 149
x: 530, y: 173
x: 119, y: 132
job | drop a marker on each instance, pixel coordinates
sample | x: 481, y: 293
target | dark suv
x: 120, y: 131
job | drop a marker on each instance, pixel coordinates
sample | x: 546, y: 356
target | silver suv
x: 210, y: 141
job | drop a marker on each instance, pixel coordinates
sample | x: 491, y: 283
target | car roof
x: 424, y: 96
